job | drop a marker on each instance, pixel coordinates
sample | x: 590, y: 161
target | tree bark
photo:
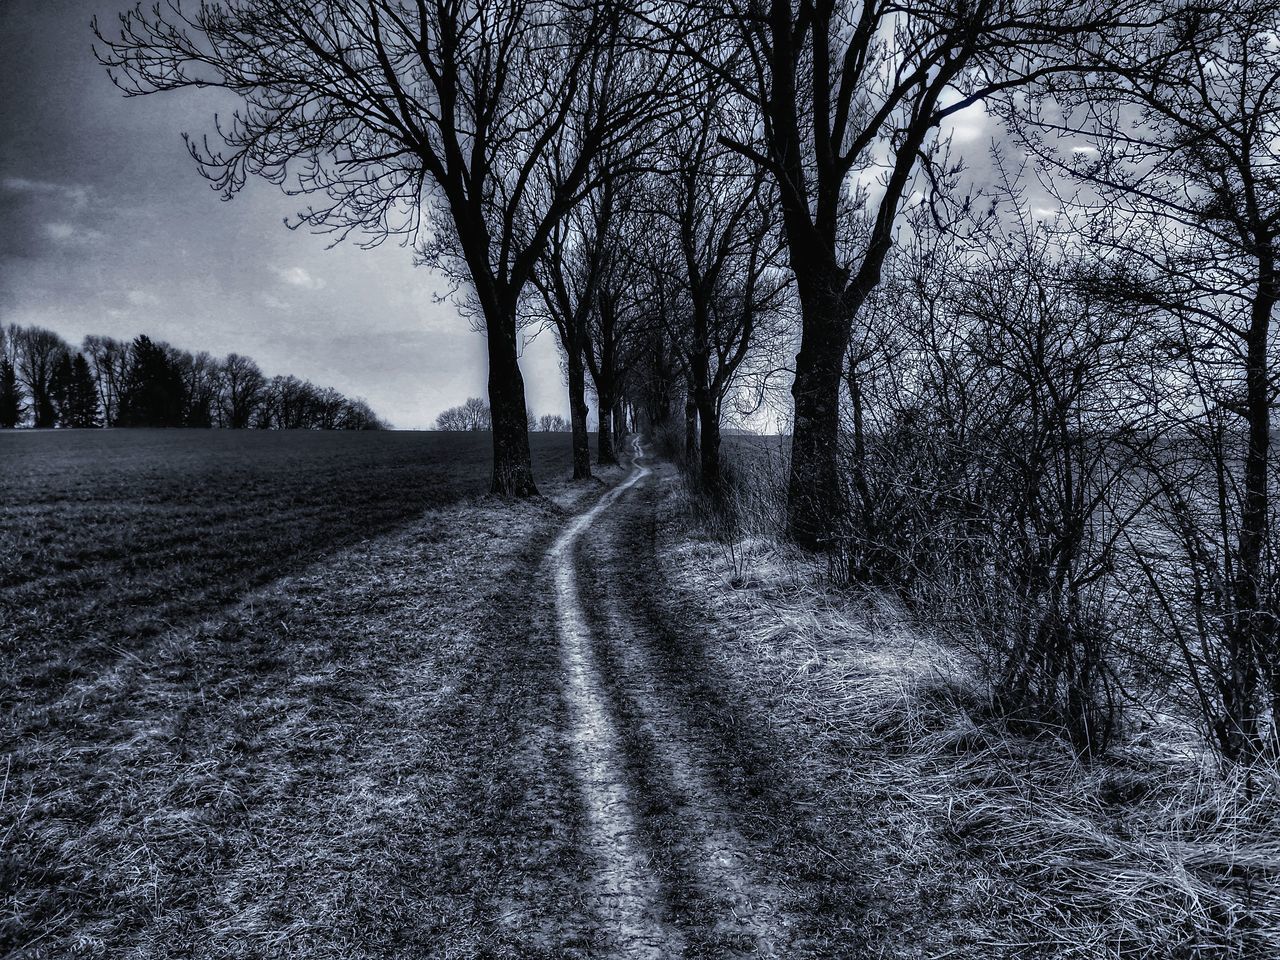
x: 619, y: 422
x: 605, y: 454
x: 690, y: 428
x: 866, y: 506
x: 1248, y: 639
x: 512, y: 465
x: 709, y: 461
x: 814, y: 500
x: 578, y: 411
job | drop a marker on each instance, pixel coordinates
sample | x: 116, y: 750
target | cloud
x: 299, y: 277
x: 968, y: 125
x: 76, y: 194
x: 272, y: 302
x: 142, y: 298
x: 70, y: 235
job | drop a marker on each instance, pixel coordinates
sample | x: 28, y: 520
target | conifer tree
x: 152, y: 395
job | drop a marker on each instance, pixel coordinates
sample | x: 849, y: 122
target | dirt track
x: 616, y: 709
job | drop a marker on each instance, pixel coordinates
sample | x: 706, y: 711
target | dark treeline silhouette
x: 472, y: 415
x: 1053, y: 428
x: 475, y: 415
x: 45, y: 382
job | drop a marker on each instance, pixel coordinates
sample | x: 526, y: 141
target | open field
x: 205, y: 658
x: 108, y: 537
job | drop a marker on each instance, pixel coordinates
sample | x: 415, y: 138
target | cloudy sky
x: 106, y: 227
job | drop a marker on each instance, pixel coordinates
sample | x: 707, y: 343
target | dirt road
x: 630, y: 740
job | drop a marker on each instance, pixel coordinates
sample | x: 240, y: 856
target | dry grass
x: 1006, y: 845
x: 357, y: 758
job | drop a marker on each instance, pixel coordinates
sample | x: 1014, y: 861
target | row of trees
x: 526, y: 149
x: 44, y: 382
x: 475, y: 415
x: 1032, y: 421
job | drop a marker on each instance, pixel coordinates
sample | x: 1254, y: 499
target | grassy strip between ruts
x: 1003, y: 845
x: 360, y: 760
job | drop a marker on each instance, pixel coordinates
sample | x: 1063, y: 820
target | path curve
x: 627, y: 896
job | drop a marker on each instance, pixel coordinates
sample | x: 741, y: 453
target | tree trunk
x: 42, y: 412
x: 605, y: 454
x: 578, y: 410
x: 1248, y: 635
x: 690, y: 429
x: 1275, y: 710
x: 619, y: 422
x: 859, y: 446
x: 709, y: 418
x: 814, y: 501
x: 604, y: 374
x: 512, y: 466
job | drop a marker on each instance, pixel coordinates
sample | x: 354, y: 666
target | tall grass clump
x: 747, y: 507
x: 1151, y: 848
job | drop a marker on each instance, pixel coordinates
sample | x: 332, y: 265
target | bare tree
x: 1002, y: 441
x: 485, y: 116
x: 357, y: 415
x: 242, y: 389
x: 620, y: 312
x: 38, y: 352
x: 1177, y: 141
x: 566, y: 278
x: 715, y: 214
x: 200, y: 374
x: 657, y: 387
x: 329, y: 404
x: 451, y: 420
x: 293, y: 402
x: 474, y: 415
x: 857, y: 90
x: 477, y: 414
x: 109, y: 361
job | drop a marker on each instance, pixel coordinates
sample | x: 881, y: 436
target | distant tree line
x: 475, y: 415
x: 45, y: 382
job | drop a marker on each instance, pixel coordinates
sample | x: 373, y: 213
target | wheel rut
x: 602, y: 660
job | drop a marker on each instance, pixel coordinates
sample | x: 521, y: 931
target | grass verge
x: 1001, y: 844
x: 359, y: 758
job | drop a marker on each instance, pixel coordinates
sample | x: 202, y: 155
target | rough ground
x: 473, y: 735
x: 528, y: 730
x: 673, y: 873
x: 705, y: 841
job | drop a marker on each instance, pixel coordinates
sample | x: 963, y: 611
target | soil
x: 700, y: 844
